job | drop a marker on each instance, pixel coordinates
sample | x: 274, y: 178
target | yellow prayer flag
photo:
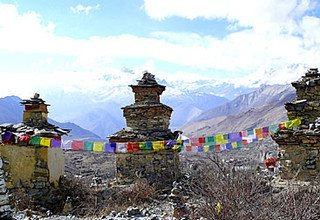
x: 206, y: 148
x: 219, y: 139
x: 98, y: 146
x: 234, y: 145
x: 158, y: 145
x: 258, y: 130
x: 176, y: 147
x: 46, y: 142
x: 293, y: 123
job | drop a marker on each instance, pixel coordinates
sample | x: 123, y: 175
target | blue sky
x: 71, y: 45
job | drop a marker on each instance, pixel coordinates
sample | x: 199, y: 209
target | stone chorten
x: 300, y: 147
x: 36, y: 111
x: 147, y: 119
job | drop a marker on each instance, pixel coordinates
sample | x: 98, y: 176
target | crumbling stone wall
x: 5, y: 209
x: 300, y: 147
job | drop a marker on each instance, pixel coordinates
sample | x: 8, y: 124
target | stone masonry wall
x: 32, y: 167
x: 300, y: 147
x: 300, y: 154
x: 148, y: 118
x: 5, y: 209
x: 160, y: 168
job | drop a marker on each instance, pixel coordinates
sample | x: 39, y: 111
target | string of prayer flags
x: 98, y: 146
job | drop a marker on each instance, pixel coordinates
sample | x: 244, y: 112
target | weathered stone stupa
x: 147, y: 120
x: 300, y: 147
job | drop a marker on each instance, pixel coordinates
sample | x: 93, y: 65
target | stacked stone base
x: 300, y: 150
x: 5, y: 209
x: 160, y: 168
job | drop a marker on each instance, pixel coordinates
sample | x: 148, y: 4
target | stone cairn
x: 300, y: 147
x: 147, y: 120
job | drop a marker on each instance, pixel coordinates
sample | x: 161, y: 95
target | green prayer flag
x: 35, y: 140
x: 88, y: 146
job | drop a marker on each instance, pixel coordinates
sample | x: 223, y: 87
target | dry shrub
x: 20, y: 200
x: 120, y: 198
x: 244, y: 195
x: 78, y: 193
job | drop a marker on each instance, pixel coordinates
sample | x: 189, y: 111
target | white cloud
x: 78, y: 9
x: 250, y: 52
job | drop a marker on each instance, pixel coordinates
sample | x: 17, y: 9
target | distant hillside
x: 262, y: 107
x: 11, y: 112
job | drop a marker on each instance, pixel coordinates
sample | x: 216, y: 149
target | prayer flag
x: 188, y: 148
x: 122, y: 147
x: 98, y: 146
x: 44, y: 141
x: 55, y: 143
x: 229, y: 146
x: 202, y: 140
x: 194, y: 141
x: 244, y: 133
x: 200, y: 149
x: 24, y: 139
x: 206, y: 148
x: 158, y: 145
x: 7, y: 135
x: 219, y: 139
x: 258, y: 131
x: 194, y: 148
x: 110, y: 147
x: 250, y: 132
x: 133, y: 146
x: 282, y: 126
x: 77, y: 145
x: 234, y: 145
x: 66, y: 144
x: 223, y: 147
x: 234, y: 137
x: 210, y: 140
x: 217, y: 148
x: 176, y: 147
x: 88, y: 146
x: 273, y: 129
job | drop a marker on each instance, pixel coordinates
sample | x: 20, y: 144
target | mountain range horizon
x: 197, y: 112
